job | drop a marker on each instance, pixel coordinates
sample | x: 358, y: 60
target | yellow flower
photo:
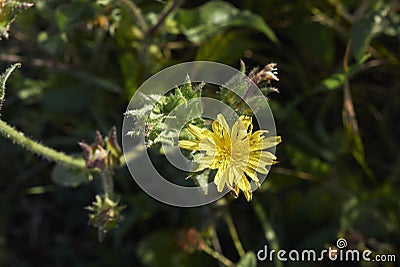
x: 237, y: 154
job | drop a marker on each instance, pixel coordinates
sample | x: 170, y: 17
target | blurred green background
x: 82, y: 61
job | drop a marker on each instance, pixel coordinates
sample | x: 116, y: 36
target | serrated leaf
x: 213, y: 17
x: 189, y: 90
x: 248, y: 260
x: 69, y: 178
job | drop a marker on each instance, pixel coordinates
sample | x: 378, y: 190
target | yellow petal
x: 221, y: 176
x: 189, y: 145
x: 198, y: 132
x: 235, y: 174
x: 264, y: 143
x: 267, y: 157
x: 218, y: 160
x: 221, y: 132
x: 262, y: 157
x: 256, y: 163
x: 222, y: 121
x: 258, y: 134
x: 236, y: 153
x: 246, y: 120
x: 205, y: 162
x: 248, y: 195
x: 239, y: 130
x: 252, y: 174
x: 271, y: 141
x: 244, y: 185
x: 208, y: 145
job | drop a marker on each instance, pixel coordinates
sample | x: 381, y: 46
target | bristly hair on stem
x: 3, y: 79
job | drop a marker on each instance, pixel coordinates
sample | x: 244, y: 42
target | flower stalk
x: 234, y: 234
x: 108, y: 183
x: 48, y: 153
x: 269, y: 231
x: 218, y: 256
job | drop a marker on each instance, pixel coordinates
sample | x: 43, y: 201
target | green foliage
x: 9, y: 9
x: 83, y: 60
x: 215, y: 16
x: 248, y: 260
x: 73, y: 13
x: 155, y: 118
x: 219, y: 48
x: 373, y: 23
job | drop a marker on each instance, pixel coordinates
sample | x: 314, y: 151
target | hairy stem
x: 3, y: 79
x: 234, y: 234
x: 50, y: 154
x: 108, y: 183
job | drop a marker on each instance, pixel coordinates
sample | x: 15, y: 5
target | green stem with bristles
x: 50, y: 154
x: 3, y: 79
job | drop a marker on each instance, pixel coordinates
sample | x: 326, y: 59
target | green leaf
x: 76, y: 12
x: 369, y: 26
x: 214, y: 17
x: 220, y: 49
x: 131, y: 72
x: 8, y: 12
x: 248, y: 260
x: 3, y: 79
x: 334, y: 82
x: 69, y: 178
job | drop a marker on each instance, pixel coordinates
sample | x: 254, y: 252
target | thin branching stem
x: 269, y: 231
x: 164, y: 15
x: 137, y: 13
x: 218, y: 256
x: 350, y: 120
x: 234, y: 234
